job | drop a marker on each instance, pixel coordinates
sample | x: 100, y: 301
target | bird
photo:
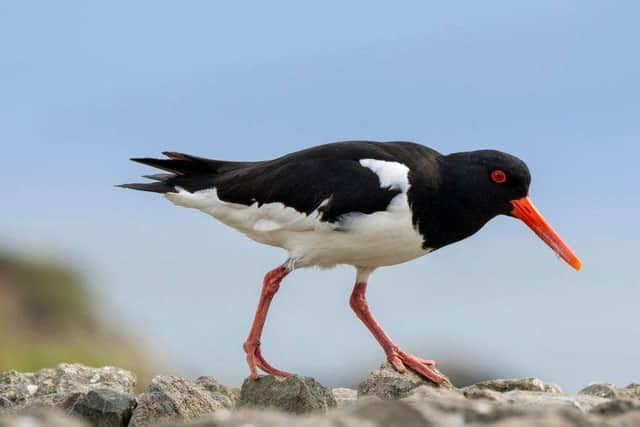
x: 366, y: 204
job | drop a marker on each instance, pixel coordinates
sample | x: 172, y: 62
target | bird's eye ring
x: 498, y: 176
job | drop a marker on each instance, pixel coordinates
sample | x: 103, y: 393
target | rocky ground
x: 76, y: 396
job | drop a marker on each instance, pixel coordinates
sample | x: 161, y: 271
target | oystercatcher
x: 362, y: 203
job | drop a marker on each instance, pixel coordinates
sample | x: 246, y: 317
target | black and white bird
x: 361, y: 203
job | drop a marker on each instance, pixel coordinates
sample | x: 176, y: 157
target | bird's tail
x: 184, y: 171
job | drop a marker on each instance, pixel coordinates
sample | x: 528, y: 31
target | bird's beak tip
x: 524, y: 210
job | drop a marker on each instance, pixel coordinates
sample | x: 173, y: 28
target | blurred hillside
x: 47, y: 316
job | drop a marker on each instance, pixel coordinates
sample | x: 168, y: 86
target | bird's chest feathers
x: 365, y: 240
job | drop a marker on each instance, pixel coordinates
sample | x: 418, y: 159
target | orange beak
x: 523, y: 209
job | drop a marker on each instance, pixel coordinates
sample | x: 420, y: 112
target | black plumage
x: 451, y: 196
x: 301, y: 180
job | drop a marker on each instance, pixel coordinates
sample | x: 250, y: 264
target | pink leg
x: 251, y: 346
x: 396, y: 357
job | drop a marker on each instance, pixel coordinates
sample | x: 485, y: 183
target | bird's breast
x: 363, y: 240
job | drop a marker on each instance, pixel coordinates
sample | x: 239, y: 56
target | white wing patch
x: 392, y: 175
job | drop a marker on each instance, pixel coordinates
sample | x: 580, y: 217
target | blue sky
x: 84, y: 86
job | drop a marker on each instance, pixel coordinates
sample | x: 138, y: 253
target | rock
x: 5, y: 404
x: 608, y: 391
x: 524, y: 384
x: 104, y: 408
x: 368, y: 413
x: 632, y: 391
x: 629, y: 419
x: 616, y: 407
x: 247, y: 418
x: 530, y: 393
x: 482, y: 393
x: 104, y: 397
x: 388, y: 384
x: 53, y: 387
x: 463, y: 411
x: 40, y: 417
x: 428, y: 392
x: 344, y: 396
x: 488, y: 406
x: 223, y: 394
x: 532, y: 399
x: 294, y: 394
x: 170, y: 398
x: 548, y: 419
x: 383, y: 413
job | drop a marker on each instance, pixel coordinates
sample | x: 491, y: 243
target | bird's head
x: 490, y: 183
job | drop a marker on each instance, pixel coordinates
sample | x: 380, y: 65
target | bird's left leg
x: 270, y: 285
x: 398, y: 358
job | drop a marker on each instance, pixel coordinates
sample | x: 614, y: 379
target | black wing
x: 302, y: 180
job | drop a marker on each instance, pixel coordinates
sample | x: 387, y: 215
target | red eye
x: 499, y: 176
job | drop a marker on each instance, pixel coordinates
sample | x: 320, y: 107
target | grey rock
x: 245, y: 418
x: 53, y: 387
x: 461, y: 411
x: 170, y: 398
x: 344, y: 396
x: 40, y: 417
x: 294, y: 394
x: 485, y: 404
x: 531, y: 399
x: 388, y: 384
x: 548, y: 419
x: 104, y: 408
x: 367, y: 413
x: 494, y: 406
x: 488, y: 413
x: 608, y: 391
x: 482, y: 393
x: 223, y: 394
x: 428, y: 392
x: 5, y: 404
x: 383, y: 413
x: 629, y: 419
x: 505, y: 385
x: 616, y: 407
x: 632, y: 391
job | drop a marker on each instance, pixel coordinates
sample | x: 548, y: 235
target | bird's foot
x: 256, y: 360
x: 424, y: 367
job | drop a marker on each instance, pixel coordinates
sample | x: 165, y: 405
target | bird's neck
x: 442, y: 211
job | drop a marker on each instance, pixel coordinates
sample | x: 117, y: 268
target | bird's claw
x: 424, y: 367
x: 256, y: 360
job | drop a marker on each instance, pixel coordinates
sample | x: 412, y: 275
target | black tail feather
x: 159, y: 176
x: 154, y: 187
x: 186, y: 171
x: 180, y: 163
x: 175, y: 166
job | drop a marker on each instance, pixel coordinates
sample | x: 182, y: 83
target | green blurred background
x: 49, y: 316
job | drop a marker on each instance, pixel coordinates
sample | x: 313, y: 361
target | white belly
x: 373, y: 240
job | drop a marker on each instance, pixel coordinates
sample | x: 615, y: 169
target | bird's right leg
x: 270, y: 285
x: 398, y: 358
